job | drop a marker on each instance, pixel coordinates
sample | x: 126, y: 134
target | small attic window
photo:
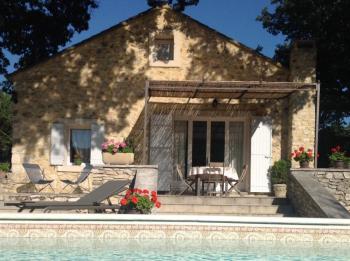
x: 164, y: 49
x: 164, y: 46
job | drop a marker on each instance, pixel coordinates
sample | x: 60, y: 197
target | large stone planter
x: 280, y: 190
x: 118, y: 158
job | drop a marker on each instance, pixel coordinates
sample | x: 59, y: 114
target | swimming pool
x: 152, y: 249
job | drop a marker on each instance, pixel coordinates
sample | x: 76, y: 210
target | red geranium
x: 134, y: 200
x: 302, y: 155
x: 123, y: 202
x: 140, y: 199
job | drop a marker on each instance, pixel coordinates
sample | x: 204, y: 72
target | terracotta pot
x: 118, y: 158
x: 280, y: 190
x: 338, y: 164
x: 304, y: 164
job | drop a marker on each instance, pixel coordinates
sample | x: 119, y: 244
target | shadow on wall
x: 104, y: 79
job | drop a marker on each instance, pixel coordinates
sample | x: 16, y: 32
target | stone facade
x: 102, y: 80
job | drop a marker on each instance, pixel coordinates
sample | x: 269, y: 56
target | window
x: 164, y: 49
x: 80, y: 145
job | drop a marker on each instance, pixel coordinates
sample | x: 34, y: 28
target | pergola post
x: 318, y: 93
x: 145, y: 121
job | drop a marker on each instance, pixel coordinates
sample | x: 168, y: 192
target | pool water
x: 151, y: 249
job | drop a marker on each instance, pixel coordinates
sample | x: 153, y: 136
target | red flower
x: 145, y: 191
x: 297, y: 154
x: 123, y: 202
x: 295, y: 151
x: 154, y: 199
x: 333, y: 150
x: 292, y: 154
x: 153, y: 193
x: 134, y: 200
x: 309, y: 154
x: 301, y: 149
x: 158, y: 204
x: 338, y: 148
x: 309, y: 150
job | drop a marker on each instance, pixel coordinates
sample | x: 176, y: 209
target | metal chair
x: 77, y: 183
x: 37, y: 177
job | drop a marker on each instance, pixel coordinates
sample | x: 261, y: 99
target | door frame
x: 246, y: 136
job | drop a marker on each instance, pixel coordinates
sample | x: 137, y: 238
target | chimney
x: 302, y: 62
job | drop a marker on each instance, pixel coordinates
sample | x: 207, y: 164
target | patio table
x: 196, y: 172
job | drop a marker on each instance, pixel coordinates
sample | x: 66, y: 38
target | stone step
x: 204, y: 200
x: 211, y: 214
x: 226, y: 209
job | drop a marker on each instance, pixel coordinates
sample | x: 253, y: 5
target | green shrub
x: 5, y: 167
x: 279, y: 172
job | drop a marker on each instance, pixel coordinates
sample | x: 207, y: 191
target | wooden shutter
x: 57, y: 150
x: 161, y: 144
x: 261, y: 147
x: 97, y: 138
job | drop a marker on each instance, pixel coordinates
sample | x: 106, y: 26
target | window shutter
x: 57, y: 144
x: 97, y: 138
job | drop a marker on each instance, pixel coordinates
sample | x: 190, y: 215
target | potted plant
x: 279, y: 177
x: 347, y: 162
x: 77, y: 160
x: 138, y: 201
x: 337, y: 157
x: 118, y: 153
x: 303, y: 156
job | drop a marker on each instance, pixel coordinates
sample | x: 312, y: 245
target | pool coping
x: 174, y: 226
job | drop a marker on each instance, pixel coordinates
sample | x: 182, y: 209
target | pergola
x: 239, y: 90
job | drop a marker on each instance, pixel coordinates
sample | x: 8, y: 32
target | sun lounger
x: 90, y: 201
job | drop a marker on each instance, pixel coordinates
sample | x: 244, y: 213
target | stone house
x: 183, y: 92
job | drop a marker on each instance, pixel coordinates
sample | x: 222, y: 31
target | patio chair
x: 214, y: 176
x: 90, y: 201
x: 234, y: 182
x: 187, y: 182
x: 77, y: 183
x: 37, y: 177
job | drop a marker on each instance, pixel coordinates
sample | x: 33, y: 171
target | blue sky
x: 235, y: 18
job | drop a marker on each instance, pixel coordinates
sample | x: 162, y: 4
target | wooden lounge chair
x: 36, y: 176
x: 234, y: 182
x: 90, y: 201
x: 187, y: 182
x: 77, y: 183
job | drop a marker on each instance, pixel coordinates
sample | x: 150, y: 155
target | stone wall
x: 336, y: 181
x: 310, y: 198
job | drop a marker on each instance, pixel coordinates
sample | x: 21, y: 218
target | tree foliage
x: 328, y: 24
x: 178, y: 5
x: 36, y: 29
x: 5, y: 126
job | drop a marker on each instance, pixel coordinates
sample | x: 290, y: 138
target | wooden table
x: 201, y: 173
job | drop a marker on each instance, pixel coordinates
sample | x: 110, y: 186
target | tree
x: 5, y: 126
x: 179, y: 5
x: 36, y: 29
x: 328, y: 24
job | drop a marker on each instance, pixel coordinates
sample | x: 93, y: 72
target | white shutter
x: 57, y: 150
x: 97, y: 138
x: 261, y: 147
x: 161, y: 144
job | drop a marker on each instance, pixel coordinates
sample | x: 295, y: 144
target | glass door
x: 217, y: 141
x: 199, y: 143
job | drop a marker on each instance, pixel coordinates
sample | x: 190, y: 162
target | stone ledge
x: 311, y: 199
x: 320, y: 170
